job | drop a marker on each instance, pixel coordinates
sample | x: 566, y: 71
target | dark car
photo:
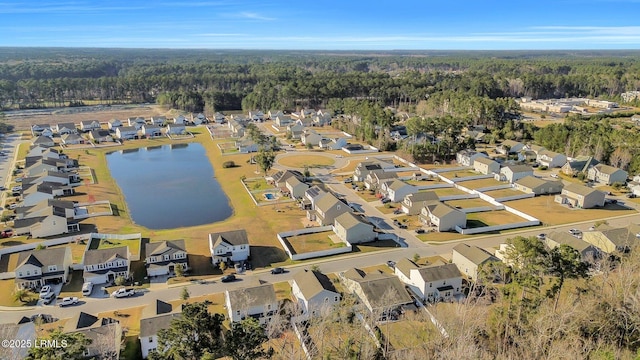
x: 419, y: 231
x: 385, y: 200
x: 228, y: 278
x: 277, y: 270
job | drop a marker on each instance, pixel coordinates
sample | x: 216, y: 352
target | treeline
x: 290, y: 80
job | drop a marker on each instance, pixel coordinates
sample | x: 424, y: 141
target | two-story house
x: 259, y: 302
x: 588, y: 252
x: 443, y: 217
x: 66, y: 128
x: 614, y: 240
x: 551, y: 159
x: 105, y: 265
x: 155, y: 318
x: 353, y: 229
x: 580, y: 164
x: 113, y: 124
x: 412, y: 204
x: 162, y: 257
x: 327, y: 209
x: 469, y: 258
x: 36, y: 268
x: 486, y: 166
x: 580, y: 196
x: 366, y: 167
x: 105, y: 335
x: 314, y: 292
x: 432, y: 283
x: 158, y: 120
x: 605, y: 174
x: 538, y: 186
x: 88, y: 125
x: 126, y: 132
x: 138, y: 122
x: 468, y: 156
x: 229, y: 246
x: 176, y: 129
x: 395, y: 190
x: 151, y: 130
x: 375, y: 179
x: 509, y: 147
x: 296, y: 187
x: 513, y: 173
x: 380, y: 292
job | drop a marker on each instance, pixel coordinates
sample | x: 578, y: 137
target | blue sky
x: 319, y: 24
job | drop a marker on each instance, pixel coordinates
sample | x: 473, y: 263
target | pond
x: 169, y: 186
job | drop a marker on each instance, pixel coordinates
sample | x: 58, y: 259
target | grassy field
x: 255, y: 184
x: 503, y: 193
x: 388, y: 208
x: 467, y: 203
x: 458, y: 174
x: 351, y: 165
x: 310, y: 160
x: 134, y: 244
x: 412, y: 221
x: 312, y: 242
x: 552, y: 213
x: 448, y: 191
x: 480, y: 183
x: 489, y: 218
x: 408, y: 333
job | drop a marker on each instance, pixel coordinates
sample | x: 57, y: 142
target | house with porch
x: 605, y: 174
x: 36, y: 268
x: 229, y: 246
x: 162, y: 257
x: 151, y: 130
x: 105, y: 335
x: 432, y: 283
x: 551, y: 159
x: 105, y: 265
x: 353, y: 229
x: 89, y: 125
x: 443, y: 217
x: 581, y: 196
x: 66, y: 128
x: 412, y: 204
x: 259, y: 302
x: 486, y: 166
x: 469, y: 258
x: 314, y: 293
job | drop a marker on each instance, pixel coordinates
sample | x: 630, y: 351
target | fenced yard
x: 305, y: 243
x: 480, y: 183
x: 496, y: 194
x: 490, y: 218
x: 468, y: 203
x: 228, y: 148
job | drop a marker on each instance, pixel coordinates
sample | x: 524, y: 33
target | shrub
x: 544, y: 167
x: 120, y: 280
x: 581, y: 176
x: 228, y: 164
x: 617, y: 185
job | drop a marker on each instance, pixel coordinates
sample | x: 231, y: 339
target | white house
x: 513, y: 173
x: 414, y: 203
x: 48, y: 223
x: 314, y: 292
x: 432, y: 283
x: 443, y: 217
x: 468, y: 259
x: 36, y: 268
x: 605, y: 174
x: 396, y: 190
x: 72, y: 139
x: 551, y: 159
x: 162, y: 257
x: 179, y: 120
x: 158, y: 120
x: 258, y: 301
x: 126, y: 132
x: 580, y: 196
x: 198, y: 119
x: 160, y: 318
x: 296, y: 187
x: 486, y: 166
x: 509, y: 147
x: 229, y: 246
x: 151, y: 130
x: 136, y: 121
x: 105, y: 265
x: 467, y: 157
x: 353, y: 229
x: 88, y: 125
x: 66, y: 128
x: 176, y: 129
x: 113, y: 124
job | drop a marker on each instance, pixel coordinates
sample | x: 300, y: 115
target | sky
x: 323, y: 24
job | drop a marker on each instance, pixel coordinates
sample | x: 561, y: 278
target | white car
x: 46, y: 292
x: 555, y: 176
x: 123, y: 292
x: 68, y: 301
x: 575, y: 232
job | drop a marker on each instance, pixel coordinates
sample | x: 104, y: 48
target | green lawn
x: 301, y: 244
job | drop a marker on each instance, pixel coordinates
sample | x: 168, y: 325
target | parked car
x: 123, y: 292
x: 67, y: 301
x: 385, y: 200
x: 339, y: 156
x: 541, y: 236
x: 13, y: 206
x: 46, y: 292
x: 631, y: 196
x: 6, y: 233
x: 87, y: 288
x: 575, y: 232
x: 555, y: 176
x: 277, y: 270
x: 419, y: 231
x: 391, y: 264
x: 16, y: 188
x: 228, y: 278
x: 397, y: 211
x: 348, y: 180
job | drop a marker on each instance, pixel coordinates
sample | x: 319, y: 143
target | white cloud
x: 254, y: 16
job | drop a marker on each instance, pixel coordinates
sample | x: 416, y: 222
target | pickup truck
x: 123, y: 292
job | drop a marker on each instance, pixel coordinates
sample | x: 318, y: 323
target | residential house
x: 468, y: 156
x: 45, y: 190
x: 314, y: 292
x: 126, y: 132
x: 295, y: 187
x: 469, y: 258
x: 113, y: 124
x: 36, y: 268
x: 376, y: 178
x: 48, y: 223
x: 296, y: 131
x: 153, y: 320
x: 138, y: 122
x: 21, y: 331
x: 580, y: 196
x: 198, y: 119
x: 605, y: 174
x: 151, y: 130
x: 634, y: 188
x: 279, y: 179
x: 321, y: 120
x: 105, y: 335
x: 105, y: 265
x: 327, y: 209
x: 486, y: 166
x: 527, y: 155
x: 176, y: 129
x: 229, y: 246
x: 364, y: 168
x: 612, y: 240
x: 273, y: 114
x: 218, y: 118
x: 509, y: 147
x: 306, y: 122
x: 43, y: 141
x: 537, y: 186
x: 162, y: 257
x: 551, y: 159
x: 72, y: 139
x: 41, y: 129
x: 283, y: 120
x: 513, y: 173
x: 158, y: 120
x: 580, y: 164
x: 311, y: 196
x: 256, y: 115
x: 443, y: 217
x: 395, y: 190
x: 66, y: 128
x: 66, y: 209
x: 89, y: 125
x: 237, y: 128
x: 432, y: 283
x: 179, y: 120
x: 333, y: 143
x: 62, y: 178
x: 100, y: 136
x: 43, y: 165
x: 259, y: 302
x: 589, y: 252
x: 353, y: 229
x: 380, y: 292
x: 311, y: 137
x: 535, y: 148
x: 414, y: 203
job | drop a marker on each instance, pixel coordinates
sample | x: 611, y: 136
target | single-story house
x: 36, y: 268
x: 353, y: 228
x: 432, y: 283
x: 486, y: 166
x: 314, y: 292
x: 469, y: 258
x: 412, y: 204
x: 513, y: 173
x: 443, y: 217
x: 605, y: 174
x: 229, y: 246
x: 259, y: 302
x: 537, y: 186
x: 581, y: 196
x: 105, y: 265
x: 162, y: 257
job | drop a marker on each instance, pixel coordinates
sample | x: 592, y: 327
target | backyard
x: 458, y: 174
x: 468, y: 203
x: 496, y: 194
x: 490, y: 218
x: 310, y: 160
x: 300, y: 244
x: 411, y: 332
x: 448, y: 191
x: 480, y: 183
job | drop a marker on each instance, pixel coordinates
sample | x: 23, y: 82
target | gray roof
x: 233, y: 237
x: 626, y: 236
x: 151, y: 326
x: 314, y: 191
x: 518, y: 168
x: 534, y: 182
x: 312, y: 283
x: 164, y: 247
x: 564, y: 238
x: 397, y: 185
x: 43, y: 257
x: 327, y: 201
x: 441, y: 210
x: 475, y: 254
x: 423, y: 196
x: 405, y: 265
x: 348, y: 220
x: 484, y: 160
x: 606, y: 169
x: 580, y: 189
x: 439, y: 272
x: 81, y: 320
x: 101, y: 256
x: 381, y: 289
x: 252, y: 296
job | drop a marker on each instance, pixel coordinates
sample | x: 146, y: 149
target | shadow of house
x: 262, y: 256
